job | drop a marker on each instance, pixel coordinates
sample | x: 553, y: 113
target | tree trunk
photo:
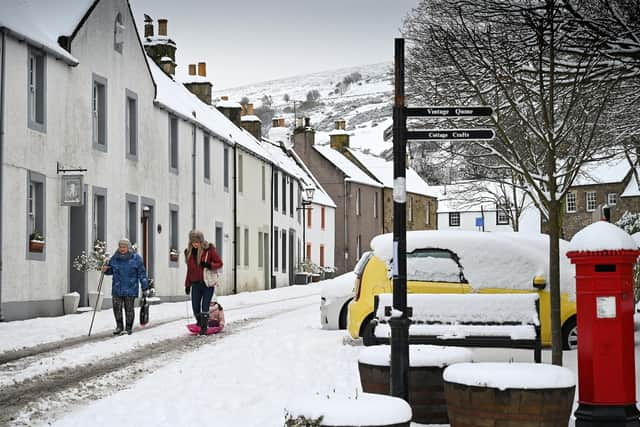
x: 554, y: 281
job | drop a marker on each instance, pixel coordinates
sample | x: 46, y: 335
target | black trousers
x: 129, y: 313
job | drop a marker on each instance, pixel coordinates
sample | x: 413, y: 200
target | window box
x: 36, y: 242
x: 173, y: 255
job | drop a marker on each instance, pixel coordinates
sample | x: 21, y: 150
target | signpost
x: 400, y: 324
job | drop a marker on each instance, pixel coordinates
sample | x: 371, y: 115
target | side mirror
x: 539, y: 282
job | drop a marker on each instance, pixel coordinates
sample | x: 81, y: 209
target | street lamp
x: 304, y: 206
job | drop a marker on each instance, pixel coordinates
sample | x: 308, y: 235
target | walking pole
x: 97, y: 299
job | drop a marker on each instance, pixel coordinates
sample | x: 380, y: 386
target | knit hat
x: 124, y: 241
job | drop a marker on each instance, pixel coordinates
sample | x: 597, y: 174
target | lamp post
x: 304, y: 206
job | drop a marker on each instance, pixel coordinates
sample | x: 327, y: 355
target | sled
x: 195, y: 329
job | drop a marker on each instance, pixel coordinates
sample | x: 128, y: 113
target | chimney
x: 339, y: 138
x: 303, y: 138
x: 148, y: 26
x: 251, y: 123
x: 161, y: 48
x: 230, y: 109
x: 198, y: 84
x: 277, y: 122
x: 202, y: 69
x: 162, y: 27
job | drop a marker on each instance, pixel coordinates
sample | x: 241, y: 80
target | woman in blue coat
x: 128, y: 270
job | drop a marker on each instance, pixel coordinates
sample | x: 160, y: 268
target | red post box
x: 604, y: 256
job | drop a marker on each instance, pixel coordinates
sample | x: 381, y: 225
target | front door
x: 78, y: 244
x: 148, y: 238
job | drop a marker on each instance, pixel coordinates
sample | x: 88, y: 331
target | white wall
x: 318, y: 236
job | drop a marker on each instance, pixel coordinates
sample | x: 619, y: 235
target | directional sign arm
x: 451, y: 134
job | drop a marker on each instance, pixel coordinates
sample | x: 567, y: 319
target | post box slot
x: 605, y: 268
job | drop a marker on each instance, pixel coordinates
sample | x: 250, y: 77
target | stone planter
x: 36, y: 246
x: 509, y: 394
x: 93, y: 297
x: 365, y: 410
x: 426, y: 387
x: 70, y: 302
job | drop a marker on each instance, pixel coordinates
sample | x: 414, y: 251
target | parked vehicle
x: 468, y: 261
x: 334, y: 300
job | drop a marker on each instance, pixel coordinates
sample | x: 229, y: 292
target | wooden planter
x: 426, y: 390
x: 483, y: 406
x: 36, y: 245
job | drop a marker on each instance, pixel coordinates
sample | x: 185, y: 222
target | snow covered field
x: 272, y: 352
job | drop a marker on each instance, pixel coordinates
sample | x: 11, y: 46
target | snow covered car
x: 335, y: 296
x: 468, y: 261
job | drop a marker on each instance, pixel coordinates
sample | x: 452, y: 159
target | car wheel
x: 364, y: 324
x: 342, y: 320
x: 570, y: 334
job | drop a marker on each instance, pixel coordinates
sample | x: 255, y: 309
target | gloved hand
x: 204, y: 264
x: 187, y: 290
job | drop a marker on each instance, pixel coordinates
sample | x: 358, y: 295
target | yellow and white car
x: 467, y: 261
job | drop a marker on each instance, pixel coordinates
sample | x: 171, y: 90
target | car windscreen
x: 433, y: 265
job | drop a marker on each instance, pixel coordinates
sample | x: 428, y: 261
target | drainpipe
x: 235, y: 220
x: 193, y: 181
x: 268, y: 285
x: 346, y: 230
x: 2, y: 86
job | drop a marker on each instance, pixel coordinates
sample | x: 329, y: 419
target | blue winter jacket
x: 127, y: 269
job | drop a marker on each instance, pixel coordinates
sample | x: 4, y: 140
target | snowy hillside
x: 362, y: 95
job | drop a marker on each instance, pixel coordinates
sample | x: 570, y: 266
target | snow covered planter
x: 70, y: 302
x: 426, y: 387
x: 363, y: 410
x: 509, y: 394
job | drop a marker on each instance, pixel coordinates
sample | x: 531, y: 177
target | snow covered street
x: 273, y: 350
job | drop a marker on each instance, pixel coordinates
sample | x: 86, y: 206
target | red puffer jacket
x: 209, y: 255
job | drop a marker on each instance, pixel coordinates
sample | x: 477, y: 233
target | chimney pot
x: 340, y: 124
x: 192, y: 69
x: 202, y: 69
x: 307, y: 122
x: 162, y: 27
x: 148, y: 26
x: 224, y: 98
x: 249, y: 109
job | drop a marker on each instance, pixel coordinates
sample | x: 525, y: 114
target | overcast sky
x: 250, y: 41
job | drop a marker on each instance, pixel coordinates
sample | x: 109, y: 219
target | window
x: 454, y: 219
x: 612, y: 199
x: 132, y: 218
x: 427, y: 212
x: 571, y: 202
x: 322, y: 213
x: 260, y: 249
x: 99, y: 113
x: 264, y: 185
x: 173, y: 228
x: 321, y: 255
x: 36, y: 209
x: 275, y: 191
x: 99, y: 219
x: 240, y: 173
x: 173, y: 144
x: 225, y: 169
x: 246, y: 247
x: 309, y: 216
x: 219, y: 238
x: 375, y: 206
x: 206, y: 150
x: 284, y: 251
x: 284, y: 194
x: 291, y: 205
x: 591, y: 201
x: 308, y: 251
x: 131, y: 123
x: 410, y: 211
x: 276, y: 252
x: 358, y: 247
x: 237, y: 242
x: 118, y: 34
x: 358, y: 201
x: 36, y: 99
x: 502, y: 216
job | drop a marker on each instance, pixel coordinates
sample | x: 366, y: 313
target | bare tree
x: 516, y: 56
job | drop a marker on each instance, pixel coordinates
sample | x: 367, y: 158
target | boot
x: 204, y: 323
x: 118, y: 330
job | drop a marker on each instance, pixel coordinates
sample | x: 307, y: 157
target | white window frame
x: 591, y: 199
x: 502, y: 217
x: 174, y: 146
x: 36, y: 90
x: 375, y: 204
x: 427, y: 210
x: 454, y: 219
x: 131, y: 124
x: 612, y: 199
x: 571, y: 205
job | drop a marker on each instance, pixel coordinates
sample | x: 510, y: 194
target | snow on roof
x: 631, y: 190
x: 506, y: 260
x: 250, y: 118
x: 602, y: 236
x: 353, y: 172
x: 177, y: 98
x: 451, y: 197
x: 321, y: 197
x: 510, y: 375
x: 284, y: 160
x: 158, y: 39
x: 280, y: 134
x: 195, y: 79
x: 41, y: 22
x: 228, y: 104
x: 419, y: 355
x: 383, y: 171
x: 338, y: 132
x: 608, y: 172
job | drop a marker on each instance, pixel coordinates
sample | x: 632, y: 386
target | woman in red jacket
x: 198, y: 255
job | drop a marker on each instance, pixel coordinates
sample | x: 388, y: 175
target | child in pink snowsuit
x: 216, y: 316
